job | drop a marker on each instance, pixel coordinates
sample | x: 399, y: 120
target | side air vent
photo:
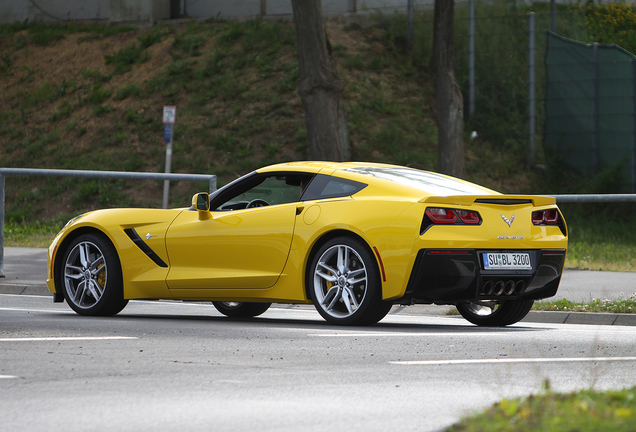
x: 503, y: 201
x: 130, y: 232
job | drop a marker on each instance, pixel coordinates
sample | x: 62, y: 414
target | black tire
x: 91, y: 277
x: 492, y: 314
x: 349, y: 293
x: 240, y: 309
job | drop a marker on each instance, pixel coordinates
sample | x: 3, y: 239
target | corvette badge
x: 509, y: 222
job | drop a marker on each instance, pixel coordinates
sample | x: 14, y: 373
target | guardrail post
x: 166, y: 183
x: 1, y: 225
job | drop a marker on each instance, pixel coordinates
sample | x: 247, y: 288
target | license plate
x: 507, y: 261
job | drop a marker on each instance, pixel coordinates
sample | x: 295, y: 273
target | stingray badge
x: 508, y: 221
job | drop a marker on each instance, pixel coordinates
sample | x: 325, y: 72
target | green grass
x: 606, y: 305
x: 584, y: 411
x: 32, y: 234
x: 601, y: 237
x: 126, y: 57
x: 155, y: 36
x: 44, y: 34
x: 128, y: 91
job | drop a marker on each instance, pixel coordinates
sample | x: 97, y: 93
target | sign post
x: 1, y: 225
x: 169, y: 117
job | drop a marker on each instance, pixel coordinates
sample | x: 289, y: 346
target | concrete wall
x: 64, y: 10
x: 13, y: 10
x: 138, y: 11
x: 144, y: 10
x: 230, y: 8
x: 246, y: 8
x: 52, y: 10
x: 152, y: 10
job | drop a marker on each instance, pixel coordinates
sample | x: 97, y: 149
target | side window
x: 265, y: 190
x: 324, y: 186
x: 274, y: 190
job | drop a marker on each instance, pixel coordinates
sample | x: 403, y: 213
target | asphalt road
x: 166, y: 366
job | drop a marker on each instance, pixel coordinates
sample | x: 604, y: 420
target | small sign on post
x: 169, y: 114
x: 169, y: 117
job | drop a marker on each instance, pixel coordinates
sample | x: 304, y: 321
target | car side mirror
x: 201, y: 202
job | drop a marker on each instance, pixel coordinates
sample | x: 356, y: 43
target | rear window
x: 324, y: 186
x: 429, y: 182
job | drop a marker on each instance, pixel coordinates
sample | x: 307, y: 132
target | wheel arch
x: 61, y: 251
x: 324, y: 238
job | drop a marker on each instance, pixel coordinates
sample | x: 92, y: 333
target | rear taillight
x: 446, y: 216
x: 550, y: 217
x: 441, y: 215
x: 468, y: 217
x: 545, y: 217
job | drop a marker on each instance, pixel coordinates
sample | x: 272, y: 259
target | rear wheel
x: 240, y: 309
x: 344, y: 283
x: 92, y: 279
x: 495, y: 314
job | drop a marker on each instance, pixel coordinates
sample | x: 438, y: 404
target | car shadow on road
x: 310, y: 324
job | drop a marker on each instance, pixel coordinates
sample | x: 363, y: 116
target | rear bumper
x: 452, y: 276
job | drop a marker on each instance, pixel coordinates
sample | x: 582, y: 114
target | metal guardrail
x: 560, y: 199
x: 210, y: 178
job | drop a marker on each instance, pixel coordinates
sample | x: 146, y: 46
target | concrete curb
x: 589, y: 318
x: 547, y: 317
x: 24, y: 289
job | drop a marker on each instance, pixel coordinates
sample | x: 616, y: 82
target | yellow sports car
x: 351, y: 238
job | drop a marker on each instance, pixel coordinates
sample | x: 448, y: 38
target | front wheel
x: 344, y: 283
x: 92, y: 278
x: 495, y: 314
x: 240, y: 309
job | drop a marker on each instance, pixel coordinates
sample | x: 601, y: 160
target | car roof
x: 316, y: 166
x: 393, y: 178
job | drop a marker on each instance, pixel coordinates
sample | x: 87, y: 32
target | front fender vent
x: 130, y: 232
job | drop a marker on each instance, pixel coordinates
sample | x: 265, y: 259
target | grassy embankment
x: 584, y: 411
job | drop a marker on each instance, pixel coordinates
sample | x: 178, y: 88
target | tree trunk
x: 448, y: 96
x: 319, y: 86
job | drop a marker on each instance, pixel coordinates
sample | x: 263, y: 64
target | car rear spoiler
x: 466, y: 200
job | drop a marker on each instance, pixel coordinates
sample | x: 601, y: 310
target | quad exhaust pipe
x: 503, y: 288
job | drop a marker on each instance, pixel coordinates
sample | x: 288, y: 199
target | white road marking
x: 512, y: 360
x: 227, y: 381
x: 37, y: 310
x: 7, y: 376
x: 66, y: 338
x: 421, y: 334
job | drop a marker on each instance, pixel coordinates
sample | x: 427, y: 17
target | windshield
x: 435, y: 184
